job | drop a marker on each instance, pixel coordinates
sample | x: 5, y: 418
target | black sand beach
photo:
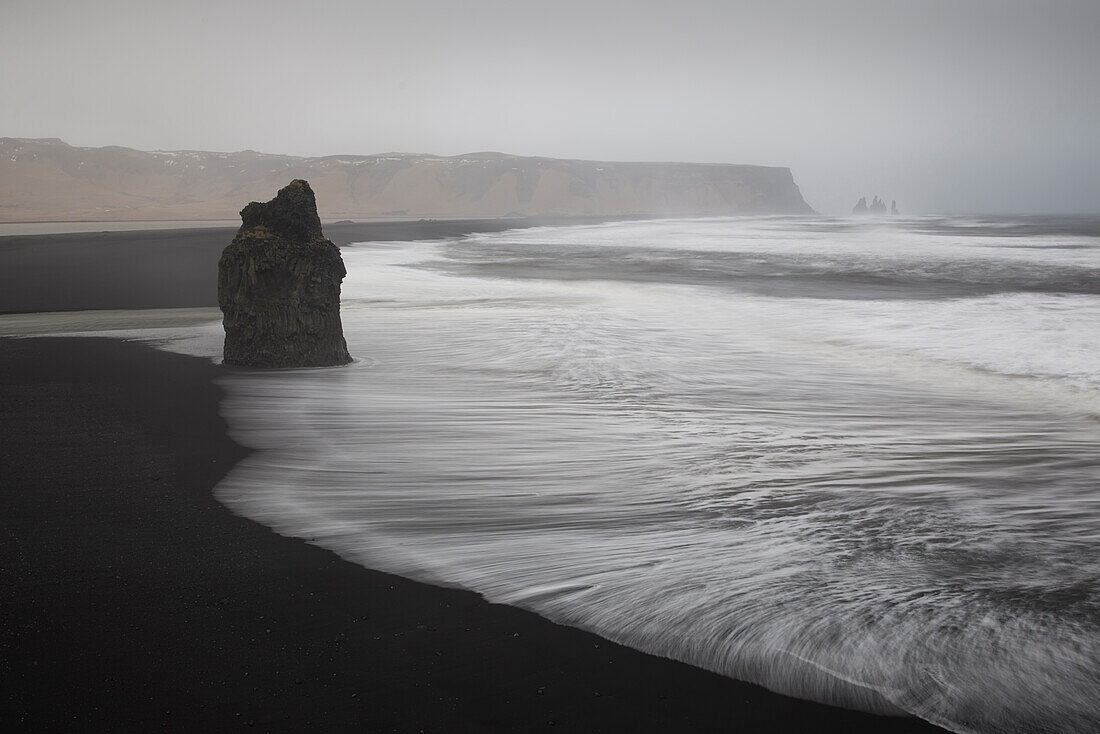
x: 132, y: 600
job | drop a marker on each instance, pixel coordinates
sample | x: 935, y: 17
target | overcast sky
x: 952, y: 106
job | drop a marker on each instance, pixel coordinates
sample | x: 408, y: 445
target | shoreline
x: 174, y: 268
x: 37, y: 228
x: 137, y: 600
x: 133, y: 598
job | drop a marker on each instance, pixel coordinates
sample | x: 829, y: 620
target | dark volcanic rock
x: 861, y: 206
x: 279, y: 286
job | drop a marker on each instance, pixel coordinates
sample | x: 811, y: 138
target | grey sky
x: 946, y: 106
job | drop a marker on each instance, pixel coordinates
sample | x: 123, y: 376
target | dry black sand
x: 130, y: 600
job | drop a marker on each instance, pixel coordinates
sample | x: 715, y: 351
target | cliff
x: 279, y: 286
x: 49, y: 180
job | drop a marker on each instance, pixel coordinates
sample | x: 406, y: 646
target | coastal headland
x: 46, y: 179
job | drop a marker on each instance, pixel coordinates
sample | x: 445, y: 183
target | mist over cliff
x: 49, y: 180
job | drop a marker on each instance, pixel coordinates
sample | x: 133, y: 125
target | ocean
x: 855, y: 461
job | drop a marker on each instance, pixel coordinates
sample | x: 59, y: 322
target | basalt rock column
x: 279, y: 286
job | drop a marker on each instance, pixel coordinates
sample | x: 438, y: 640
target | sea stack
x: 279, y: 286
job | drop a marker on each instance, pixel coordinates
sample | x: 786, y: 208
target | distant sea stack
x: 45, y: 179
x: 878, y: 206
x: 279, y: 286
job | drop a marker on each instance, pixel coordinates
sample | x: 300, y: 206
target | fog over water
x: 878, y: 491
x: 972, y: 106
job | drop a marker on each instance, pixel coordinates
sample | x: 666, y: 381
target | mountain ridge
x: 46, y: 179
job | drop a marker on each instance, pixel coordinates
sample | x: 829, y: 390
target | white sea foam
x: 875, y: 239
x: 883, y: 503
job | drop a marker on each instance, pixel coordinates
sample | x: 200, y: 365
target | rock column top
x: 292, y: 214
